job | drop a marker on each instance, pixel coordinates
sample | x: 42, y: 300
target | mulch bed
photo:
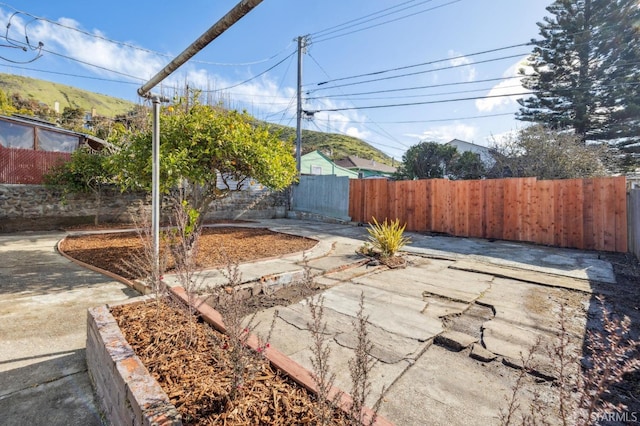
x: 217, y: 246
x: 192, y: 364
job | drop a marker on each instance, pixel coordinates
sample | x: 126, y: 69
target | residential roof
x: 336, y: 169
x: 353, y: 162
x: 458, y: 143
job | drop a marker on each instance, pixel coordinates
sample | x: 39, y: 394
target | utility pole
x: 302, y: 48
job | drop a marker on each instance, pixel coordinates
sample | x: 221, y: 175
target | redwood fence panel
x: 26, y: 166
x: 579, y: 213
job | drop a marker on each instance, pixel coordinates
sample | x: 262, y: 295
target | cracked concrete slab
x: 466, y: 393
x: 389, y: 311
x: 415, y: 282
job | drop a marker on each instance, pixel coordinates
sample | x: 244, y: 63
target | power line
x: 430, y: 86
x: 139, y: 48
x: 420, y: 103
x: 389, y: 21
x: 436, y: 120
x: 380, y: 127
x: 501, y: 58
x: 75, y: 75
x: 252, y: 78
x: 484, y: 52
x: 483, y: 89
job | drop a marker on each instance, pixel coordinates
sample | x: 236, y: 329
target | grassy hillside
x: 67, y: 96
x: 334, y: 145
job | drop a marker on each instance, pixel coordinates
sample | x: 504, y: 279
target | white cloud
x: 507, y: 92
x: 443, y: 134
x: 93, y: 50
x: 458, y: 60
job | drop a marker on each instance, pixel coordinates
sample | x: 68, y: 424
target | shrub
x: 387, y: 237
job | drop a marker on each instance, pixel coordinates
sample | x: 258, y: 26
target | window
x: 55, y: 141
x: 14, y: 135
x: 316, y: 170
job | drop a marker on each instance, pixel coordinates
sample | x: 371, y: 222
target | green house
x: 316, y: 163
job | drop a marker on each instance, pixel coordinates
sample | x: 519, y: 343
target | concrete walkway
x: 43, y: 304
x: 441, y: 326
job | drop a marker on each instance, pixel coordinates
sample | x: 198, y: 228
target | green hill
x: 334, y: 145
x: 49, y: 93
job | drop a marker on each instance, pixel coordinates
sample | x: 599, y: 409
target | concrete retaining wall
x: 326, y: 195
x: 633, y: 210
x: 125, y: 391
x: 38, y: 207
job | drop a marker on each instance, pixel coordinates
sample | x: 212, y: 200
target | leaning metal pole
x: 233, y: 16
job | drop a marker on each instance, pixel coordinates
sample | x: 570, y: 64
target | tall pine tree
x: 586, y: 71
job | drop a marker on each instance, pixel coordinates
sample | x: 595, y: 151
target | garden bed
x: 189, y: 360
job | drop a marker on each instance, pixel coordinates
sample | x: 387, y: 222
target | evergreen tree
x: 585, y: 70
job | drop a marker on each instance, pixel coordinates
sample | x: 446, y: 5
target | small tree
x: 467, y: 165
x: 207, y: 152
x: 537, y: 151
x: 426, y: 160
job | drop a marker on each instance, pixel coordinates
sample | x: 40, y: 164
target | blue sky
x: 114, y: 47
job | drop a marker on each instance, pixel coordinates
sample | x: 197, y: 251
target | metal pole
x: 301, y: 41
x: 233, y: 16
x: 155, y: 188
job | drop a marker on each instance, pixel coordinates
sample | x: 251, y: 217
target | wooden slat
x: 545, y: 210
x: 588, y: 238
x: 494, y: 201
x: 620, y: 214
x: 421, y: 211
x: 476, y: 201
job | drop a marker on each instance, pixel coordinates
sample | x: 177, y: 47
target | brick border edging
x: 126, y: 392
x: 295, y: 371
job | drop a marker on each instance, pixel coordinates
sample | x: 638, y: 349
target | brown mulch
x: 218, y: 245
x: 192, y: 364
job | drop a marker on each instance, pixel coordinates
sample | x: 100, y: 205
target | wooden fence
x: 27, y: 166
x: 579, y: 213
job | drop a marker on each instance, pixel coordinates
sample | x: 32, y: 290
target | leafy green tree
x: 585, y: 74
x: 538, y: 151
x: 207, y: 152
x: 467, y: 165
x: 426, y: 160
x: 73, y: 119
x: 86, y: 172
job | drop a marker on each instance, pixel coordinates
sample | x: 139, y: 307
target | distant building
x: 483, y: 152
x: 366, y: 168
x: 316, y: 163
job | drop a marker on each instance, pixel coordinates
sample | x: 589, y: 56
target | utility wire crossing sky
x: 374, y: 70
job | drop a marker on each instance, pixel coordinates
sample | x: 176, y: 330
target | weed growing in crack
x: 321, y: 352
x: 360, y: 367
x: 584, y: 382
x: 361, y: 364
x: 508, y: 415
x: 233, y: 308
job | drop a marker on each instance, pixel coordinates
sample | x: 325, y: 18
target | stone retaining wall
x: 38, y: 207
x: 125, y: 391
